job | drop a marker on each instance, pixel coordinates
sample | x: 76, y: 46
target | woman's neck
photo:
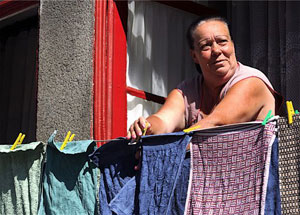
x: 210, y: 97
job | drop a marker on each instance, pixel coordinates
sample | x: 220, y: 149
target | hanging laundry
x: 20, y: 177
x: 164, y: 174
x: 230, y: 167
x: 160, y: 187
x: 273, y: 201
x: 289, y: 164
x: 70, y: 180
x: 116, y: 160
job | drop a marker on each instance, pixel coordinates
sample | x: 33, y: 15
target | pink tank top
x: 190, y: 90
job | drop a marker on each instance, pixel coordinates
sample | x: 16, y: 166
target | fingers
x: 138, y: 128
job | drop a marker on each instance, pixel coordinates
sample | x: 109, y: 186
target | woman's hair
x: 200, y: 20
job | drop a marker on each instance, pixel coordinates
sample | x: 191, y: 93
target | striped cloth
x: 230, y: 167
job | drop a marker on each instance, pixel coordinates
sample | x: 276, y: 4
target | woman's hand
x: 137, y: 129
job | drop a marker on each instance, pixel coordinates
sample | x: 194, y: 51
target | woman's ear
x: 193, y: 55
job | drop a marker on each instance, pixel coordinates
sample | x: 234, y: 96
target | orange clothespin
x: 67, y: 139
x: 18, y: 141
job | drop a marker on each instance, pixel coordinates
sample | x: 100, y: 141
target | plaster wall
x: 65, y: 79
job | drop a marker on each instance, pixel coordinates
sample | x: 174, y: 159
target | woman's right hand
x: 137, y: 128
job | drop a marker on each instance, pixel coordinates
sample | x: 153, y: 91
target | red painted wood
x: 109, y: 66
x: 145, y: 95
x: 9, y: 7
x: 100, y: 110
x: 110, y: 103
x: 119, y: 103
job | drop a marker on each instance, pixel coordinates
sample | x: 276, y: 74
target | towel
x: 289, y: 164
x: 160, y: 187
x: 20, y: 176
x: 70, y: 180
x: 116, y: 162
x: 230, y: 168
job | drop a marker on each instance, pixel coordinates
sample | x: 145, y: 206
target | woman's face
x: 214, y: 52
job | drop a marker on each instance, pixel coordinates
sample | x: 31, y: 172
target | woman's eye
x: 205, y: 46
x: 222, y: 42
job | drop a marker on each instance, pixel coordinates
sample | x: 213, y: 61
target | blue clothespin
x: 267, y: 118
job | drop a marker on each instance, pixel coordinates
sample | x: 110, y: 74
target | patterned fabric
x: 289, y: 164
x: 229, y: 168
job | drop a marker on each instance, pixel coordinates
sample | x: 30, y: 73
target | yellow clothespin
x: 21, y: 140
x: 18, y: 141
x: 144, y: 133
x: 145, y: 129
x: 191, y: 129
x: 67, y: 139
x: 290, y: 110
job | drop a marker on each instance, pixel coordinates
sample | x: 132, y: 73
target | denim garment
x: 161, y: 185
x: 70, y: 181
x: 20, y: 178
x: 163, y: 160
x: 273, y: 202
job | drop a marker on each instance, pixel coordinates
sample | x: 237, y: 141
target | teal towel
x: 70, y: 180
x: 20, y: 178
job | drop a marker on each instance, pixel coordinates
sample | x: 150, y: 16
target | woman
x: 226, y: 92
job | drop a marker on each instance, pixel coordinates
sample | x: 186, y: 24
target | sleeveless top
x: 190, y: 90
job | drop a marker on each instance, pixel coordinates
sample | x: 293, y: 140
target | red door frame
x: 110, y: 102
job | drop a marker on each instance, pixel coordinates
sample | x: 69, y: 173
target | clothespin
x: 267, y: 117
x: 191, y: 129
x: 18, y: 141
x: 67, y: 139
x: 144, y: 133
x: 290, y: 110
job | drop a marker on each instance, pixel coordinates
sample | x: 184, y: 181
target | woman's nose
x: 215, y: 49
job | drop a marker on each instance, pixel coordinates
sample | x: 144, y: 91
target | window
x: 18, y: 69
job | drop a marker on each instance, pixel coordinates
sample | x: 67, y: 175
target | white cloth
x: 157, y: 52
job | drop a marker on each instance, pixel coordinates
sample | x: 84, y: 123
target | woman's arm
x: 249, y: 99
x: 169, y: 118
